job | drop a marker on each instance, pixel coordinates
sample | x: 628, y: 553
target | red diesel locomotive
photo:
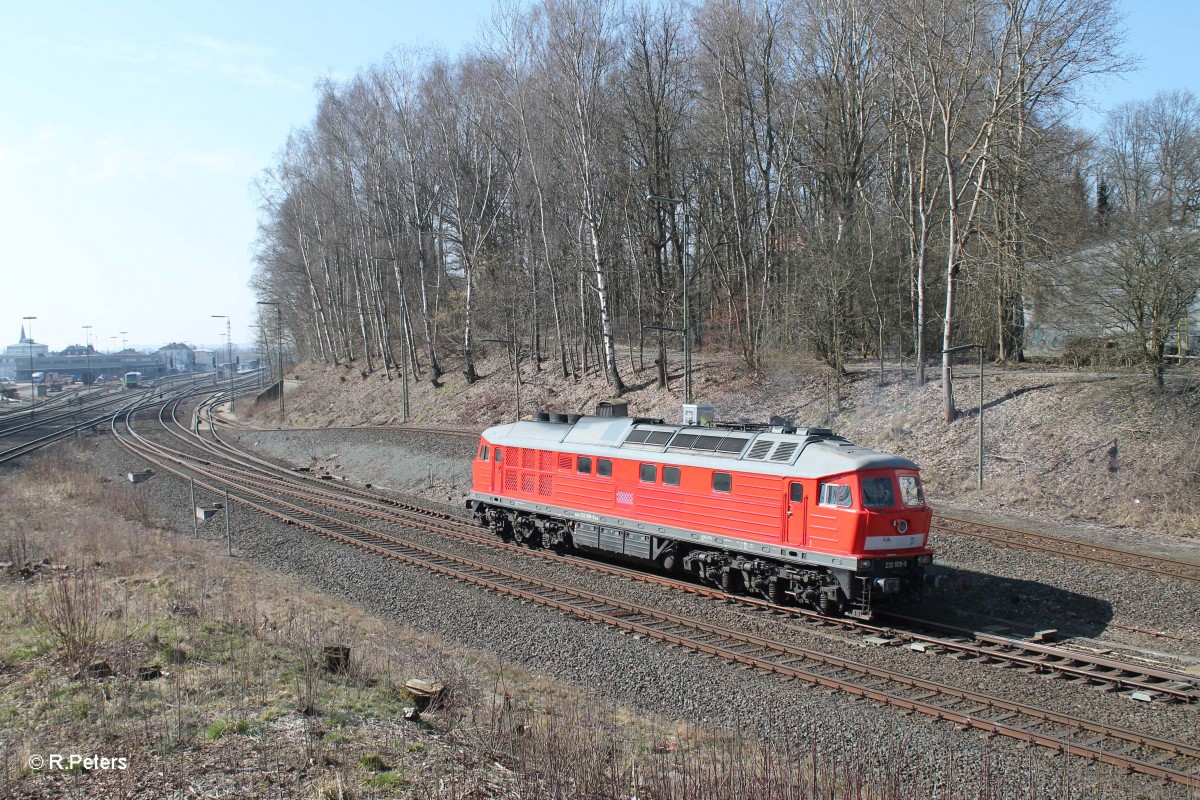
x: 790, y: 514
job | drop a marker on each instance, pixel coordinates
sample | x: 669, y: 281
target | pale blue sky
x: 131, y: 132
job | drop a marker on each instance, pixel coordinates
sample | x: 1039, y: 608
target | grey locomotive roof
x: 805, y: 453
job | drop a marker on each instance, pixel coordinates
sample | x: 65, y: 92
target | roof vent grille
x: 684, y: 440
x: 785, y: 451
x: 759, y: 450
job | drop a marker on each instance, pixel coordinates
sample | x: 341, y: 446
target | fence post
x: 195, y: 523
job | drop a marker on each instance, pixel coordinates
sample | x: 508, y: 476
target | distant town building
x: 1069, y: 306
x: 203, y: 359
x: 179, y: 357
x: 87, y: 364
x: 25, y: 348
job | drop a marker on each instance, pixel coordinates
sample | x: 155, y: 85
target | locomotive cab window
x: 877, y: 493
x: 499, y: 453
x: 910, y: 491
x: 722, y: 482
x: 585, y: 465
x: 670, y: 476
x: 483, y: 453
x: 797, y: 493
x: 604, y: 467
x: 835, y: 494
x: 649, y: 473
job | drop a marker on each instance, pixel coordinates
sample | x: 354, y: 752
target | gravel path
x: 646, y: 675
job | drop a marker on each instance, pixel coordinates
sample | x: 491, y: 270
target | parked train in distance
x: 794, y: 515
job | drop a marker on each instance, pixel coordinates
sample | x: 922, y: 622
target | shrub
x: 66, y: 617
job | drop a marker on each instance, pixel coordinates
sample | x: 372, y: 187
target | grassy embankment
x: 217, y: 685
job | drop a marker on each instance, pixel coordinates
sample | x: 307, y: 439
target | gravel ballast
x: 646, y: 675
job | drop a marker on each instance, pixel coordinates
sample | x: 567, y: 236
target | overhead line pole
x: 229, y: 336
x: 87, y: 352
x: 32, y: 388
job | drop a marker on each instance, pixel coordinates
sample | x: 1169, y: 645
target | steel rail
x: 1068, y: 547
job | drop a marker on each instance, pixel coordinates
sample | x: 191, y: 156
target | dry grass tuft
x: 66, y: 617
x: 132, y: 505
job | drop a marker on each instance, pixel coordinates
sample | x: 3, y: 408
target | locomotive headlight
x: 924, y: 560
x: 864, y: 564
x: 901, y: 525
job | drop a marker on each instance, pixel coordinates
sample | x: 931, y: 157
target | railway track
x: 1109, y: 673
x: 10, y: 416
x: 290, y: 498
x: 1069, y: 548
x: 67, y: 425
x: 66, y: 416
x: 61, y: 409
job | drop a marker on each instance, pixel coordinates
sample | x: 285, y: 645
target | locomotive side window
x: 649, y: 473
x: 670, y: 476
x: 877, y: 493
x: 585, y: 465
x: 910, y: 491
x: 483, y: 453
x: 499, y: 453
x: 835, y: 494
x: 722, y: 482
x: 604, y: 467
x: 797, y: 493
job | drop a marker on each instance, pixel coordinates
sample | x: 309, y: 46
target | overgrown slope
x: 1096, y: 448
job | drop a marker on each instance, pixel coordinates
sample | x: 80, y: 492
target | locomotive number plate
x: 901, y: 564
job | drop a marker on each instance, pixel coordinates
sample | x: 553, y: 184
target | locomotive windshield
x: 910, y: 490
x: 877, y: 493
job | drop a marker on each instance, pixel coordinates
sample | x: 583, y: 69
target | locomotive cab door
x: 795, y: 514
x: 482, y: 469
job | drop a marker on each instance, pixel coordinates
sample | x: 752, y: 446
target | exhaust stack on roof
x: 612, y: 408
